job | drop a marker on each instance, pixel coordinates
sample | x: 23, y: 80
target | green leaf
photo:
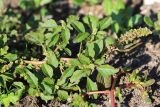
x: 116, y: 27
x: 109, y: 41
x: 46, y: 97
x: 10, y: 98
x: 36, y: 37
x: 20, y: 88
x: 57, y: 30
x: 90, y: 48
x: 49, y: 24
x: 110, y: 6
x: 83, y: 59
x: 19, y: 85
x: 72, y: 18
x: 107, y: 70
x: 68, y: 51
x: 10, y: 57
x: 52, y: 59
x: 67, y: 73
x: 77, y: 75
x: 48, y: 37
x: 47, y: 70
x: 92, y: 22
x: 148, y: 83
x: 104, y: 80
x: 78, y: 26
x: 48, y: 85
x: 119, y: 94
x: 91, y: 86
x: 66, y: 35
x: 98, y: 46
x: 78, y: 101
x: 63, y: 95
x: 33, y: 92
x: 100, y: 61
x: 148, y: 21
x: 44, y: 2
x: 6, y: 99
x: 80, y: 37
x: 95, y: 48
x: 78, y: 2
x: 75, y: 62
x: 53, y: 40
x: 37, y: 3
x: 105, y: 23
x: 107, y: 6
x: 28, y: 76
x: 134, y: 20
x: 31, y: 79
x: 133, y: 75
x: 157, y: 25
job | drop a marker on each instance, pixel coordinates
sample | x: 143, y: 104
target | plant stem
x: 98, y: 92
x: 129, y: 49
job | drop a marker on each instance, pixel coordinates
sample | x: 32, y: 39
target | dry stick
x: 41, y: 62
x: 98, y: 92
x: 34, y: 62
x: 129, y: 49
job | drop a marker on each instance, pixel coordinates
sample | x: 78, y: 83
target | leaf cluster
x: 73, y: 55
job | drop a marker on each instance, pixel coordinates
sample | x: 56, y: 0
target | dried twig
x: 67, y: 61
x: 34, y: 62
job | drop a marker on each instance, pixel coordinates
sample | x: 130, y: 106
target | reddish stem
x: 112, y: 91
x: 112, y: 98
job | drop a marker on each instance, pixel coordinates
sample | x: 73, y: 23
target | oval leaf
x: 107, y: 70
x: 47, y: 70
x: 78, y: 26
x: 105, y: 23
x: 80, y: 37
x: 148, y: 21
x: 77, y: 75
x: 52, y: 59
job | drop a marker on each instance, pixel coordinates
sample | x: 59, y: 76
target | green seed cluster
x: 133, y: 34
